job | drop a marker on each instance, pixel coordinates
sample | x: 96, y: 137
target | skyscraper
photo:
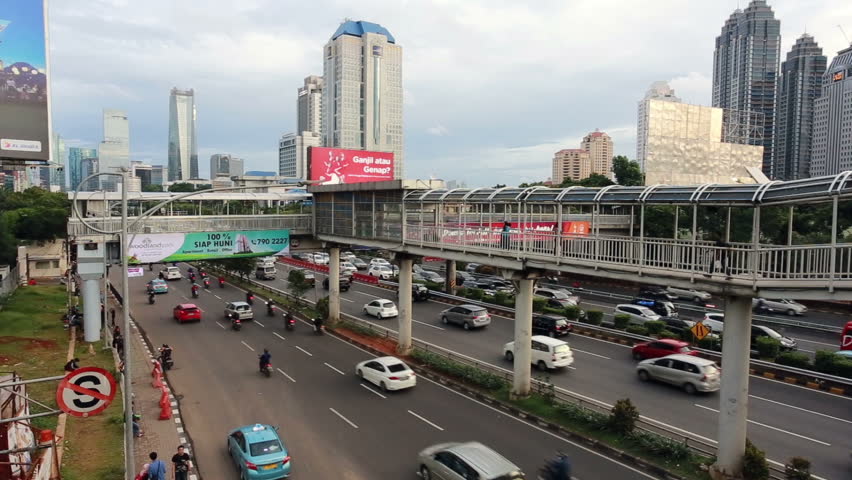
x: 183, y: 149
x: 225, y: 165
x: 362, y: 92
x: 293, y: 154
x: 599, y: 147
x: 659, y: 91
x: 114, y: 151
x: 745, y: 66
x: 309, y: 105
x: 798, y: 87
x: 832, y: 148
x: 76, y: 156
x: 571, y: 163
x: 159, y: 174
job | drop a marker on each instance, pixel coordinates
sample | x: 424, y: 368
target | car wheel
x: 378, y: 315
x: 689, y: 388
x: 541, y: 365
x: 510, y: 356
x: 637, y: 356
x: 466, y: 326
x: 383, y: 387
x: 243, y: 474
x: 360, y: 374
x: 445, y: 320
x: 365, y: 312
x: 791, y: 312
x: 643, y: 375
x: 697, y: 299
x: 424, y: 473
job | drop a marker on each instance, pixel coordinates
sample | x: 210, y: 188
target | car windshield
x: 684, y: 350
x: 711, y: 369
x: 264, y: 448
x: 383, y: 268
x: 646, y: 311
x: 772, y: 333
x: 560, y: 295
x: 397, y: 367
x: 789, y: 302
x: 561, y: 323
x: 386, y: 304
x: 561, y: 349
x: 190, y: 310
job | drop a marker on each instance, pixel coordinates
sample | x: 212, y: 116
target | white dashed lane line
x: 247, y: 345
x: 343, y: 418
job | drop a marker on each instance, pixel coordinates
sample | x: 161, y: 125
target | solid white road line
x: 288, y: 376
x: 217, y: 296
x: 335, y: 369
x: 372, y: 390
x: 304, y: 351
x: 262, y: 325
x: 279, y: 336
x: 592, y: 354
x: 347, y: 300
x: 342, y: 417
x: 428, y: 325
x: 223, y: 327
x: 802, y: 409
x: 369, y: 295
x: 771, y: 427
x: 247, y: 345
x: 822, y: 392
x: 427, y: 421
x: 814, y: 342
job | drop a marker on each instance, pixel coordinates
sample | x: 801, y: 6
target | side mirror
x: 277, y: 428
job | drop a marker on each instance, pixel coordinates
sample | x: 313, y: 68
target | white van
x: 265, y: 272
x: 546, y: 352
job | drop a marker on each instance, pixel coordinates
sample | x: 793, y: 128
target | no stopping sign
x: 85, y: 392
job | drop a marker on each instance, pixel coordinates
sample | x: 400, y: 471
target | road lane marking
x: 372, y: 390
x: 333, y: 368
x: 844, y: 397
x: 247, y: 345
x: 815, y: 342
x: 771, y: 427
x: 217, y: 296
x: 802, y: 409
x: 590, y: 353
x: 367, y: 294
x: 288, y: 376
x: 279, y: 336
x: 304, y: 351
x: 808, y: 351
x: 347, y: 300
x: 223, y: 327
x: 428, y: 325
x: 342, y: 417
x: 262, y: 325
x: 427, y: 421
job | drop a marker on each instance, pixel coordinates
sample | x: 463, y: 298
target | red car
x: 187, y: 312
x: 661, y: 348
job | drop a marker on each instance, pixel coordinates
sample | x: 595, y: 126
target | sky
x: 492, y: 88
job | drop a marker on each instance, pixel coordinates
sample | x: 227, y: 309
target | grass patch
x: 34, y: 344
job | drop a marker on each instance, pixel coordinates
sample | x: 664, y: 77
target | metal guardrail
x: 297, y: 223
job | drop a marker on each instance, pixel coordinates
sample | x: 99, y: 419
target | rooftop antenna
x: 844, y: 33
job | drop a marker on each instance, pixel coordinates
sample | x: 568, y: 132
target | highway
x: 785, y: 420
x: 333, y: 425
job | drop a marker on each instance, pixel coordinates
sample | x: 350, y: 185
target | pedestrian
x: 112, y: 316
x: 182, y: 462
x: 157, y: 468
x: 116, y: 340
x: 505, y: 235
x: 116, y: 331
x: 72, y: 365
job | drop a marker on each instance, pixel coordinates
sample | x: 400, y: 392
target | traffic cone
x: 165, y: 407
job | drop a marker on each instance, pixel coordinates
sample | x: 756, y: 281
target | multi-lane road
x: 333, y: 425
x: 785, y: 420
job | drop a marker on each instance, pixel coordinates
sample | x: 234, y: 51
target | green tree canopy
x: 627, y: 172
x: 32, y: 215
x: 152, y: 188
x: 181, y: 187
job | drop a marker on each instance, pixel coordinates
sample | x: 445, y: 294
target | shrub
x: 582, y: 415
x: 621, y: 320
x: 554, y: 311
x: 322, y: 308
x: 828, y: 362
x: 668, y: 334
x: 623, y: 418
x: 359, y: 328
x: 466, y: 373
x: 659, y: 445
x: 767, y: 347
x: 754, y: 463
x: 500, y: 298
x: 794, y: 359
x: 539, y: 304
x: 636, y: 330
x: 572, y: 312
x: 711, y: 343
x: 798, y: 468
x: 475, y: 294
x: 594, y: 317
x: 655, y: 326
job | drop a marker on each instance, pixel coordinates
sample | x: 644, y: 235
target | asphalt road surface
x: 333, y: 425
x: 785, y: 420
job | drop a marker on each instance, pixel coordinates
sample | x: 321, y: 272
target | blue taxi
x: 158, y: 286
x: 259, y: 453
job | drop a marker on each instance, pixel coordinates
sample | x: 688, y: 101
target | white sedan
x: 382, y: 271
x: 381, y: 309
x: 387, y: 373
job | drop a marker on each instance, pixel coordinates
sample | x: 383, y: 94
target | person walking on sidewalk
x: 182, y: 463
x: 156, y: 469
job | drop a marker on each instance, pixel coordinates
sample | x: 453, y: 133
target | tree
x: 499, y: 185
x: 181, y: 187
x: 242, y: 266
x: 627, y: 172
x: 152, y: 188
x: 32, y: 215
x: 298, y: 285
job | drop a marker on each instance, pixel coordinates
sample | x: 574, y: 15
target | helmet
x: 265, y: 351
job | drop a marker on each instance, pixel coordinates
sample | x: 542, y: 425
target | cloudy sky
x: 492, y: 87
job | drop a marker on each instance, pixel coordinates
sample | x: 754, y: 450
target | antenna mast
x: 844, y: 33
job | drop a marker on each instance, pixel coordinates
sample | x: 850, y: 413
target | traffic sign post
x: 86, y: 392
x: 699, y: 331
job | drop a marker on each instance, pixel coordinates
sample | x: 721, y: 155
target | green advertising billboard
x: 182, y: 247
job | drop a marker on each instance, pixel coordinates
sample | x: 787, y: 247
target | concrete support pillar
x: 733, y: 397
x: 92, y: 310
x: 523, y: 338
x: 404, y: 319
x: 333, y: 285
x: 450, y: 282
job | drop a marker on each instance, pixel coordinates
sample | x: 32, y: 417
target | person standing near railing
x: 505, y: 236
x: 719, y: 259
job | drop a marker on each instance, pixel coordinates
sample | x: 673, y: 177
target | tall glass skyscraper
x: 832, y: 148
x: 76, y: 156
x: 183, y: 147
x: 114, y: 151
x: 745, y: 66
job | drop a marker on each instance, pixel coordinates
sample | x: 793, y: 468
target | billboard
x: 329, y: 166
x: 182, y: 247
x: 475, y: 232
x: 24, y: 101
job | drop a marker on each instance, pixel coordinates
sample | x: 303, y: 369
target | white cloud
x: 438, y: 130
x: 694, y: 87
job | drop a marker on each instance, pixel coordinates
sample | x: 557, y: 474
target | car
x: 348, y: 267
x: 432, y: 276
x: 266, y: 262
x: 187, y: 312
x: 157, y: 286
x: 468, y: 316
x: 715, y: 326
x: 265, y: 272
x: 547, y: 353
x: 697, y: 296
x: 719, y: 317
x: 242, y: 309
x: 661, y: 348
x: 787, y: 306
x: 387, y: 373
x: 382, y: 271
x: 657, y: 293
x: 844, y: 354
x: 663, y: 308
x: 347, y: 256
x: 462, y: 277
x: 381, y: 309
x: 676, y: 324
x: 465, y: 461
x: 418, y: 292
x: 359, y: 264
x: 551, y: 325
x: 471, y: 267
x: 310, y: 278
x: 416, y: 268
x: 787, y: 343
x: 557, y: 298
x: 692, y: 374
x: 417, y: 278
x: 258, y: 452
x: 379, y: 261
x: 637, y: 313
x: 495, y: 284
x: 171, y: 273
x: 345, y: 281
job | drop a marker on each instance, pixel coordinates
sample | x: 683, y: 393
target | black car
x: 677, y: 325
x: 462, y: 277
x: 418, y: 293
x: 550, y: 325
x: 345, y: 283
x: 656, y: 293
x: 663, y: 308
x: 496, y: 285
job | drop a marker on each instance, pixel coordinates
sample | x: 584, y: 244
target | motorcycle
x: 236, y: 324
x: 289, y: 321
x: 206, y: 283
x: 318, y: 328
x: 266, y: 369
x: 250, y: 298
x: 270, y: 309
x: 165, y: 360
x: 151, y: 298
x: 221, y: 283
x: 195, y: 291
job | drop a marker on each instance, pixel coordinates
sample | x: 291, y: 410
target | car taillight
x: 251, y: 466
x: 286, y: 460
x: 393, y: 378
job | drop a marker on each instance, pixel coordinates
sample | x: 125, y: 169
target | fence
x: 300, y: 224
x: 8, y: 281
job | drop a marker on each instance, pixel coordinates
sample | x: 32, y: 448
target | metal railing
x: 9, y: 282
x: 296, y: 223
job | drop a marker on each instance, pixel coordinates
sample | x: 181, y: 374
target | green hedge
x: 794, y: 359
x: 655, y: 326
x: 767, y: 347
x: 539, y: 304
x: 621, y: 320
x: 669, y: 334
x: 572, y: 312
x: 636, y: 330
x: 832, y: 364
x: 466, y: 373
x: 594, y: 317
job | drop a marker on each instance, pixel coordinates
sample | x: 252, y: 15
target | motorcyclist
x: 194, y: 289
x: 318, y: 325
x: 206, y: 282
x: 221, y: 281
x: 192, y: 277
x: 202, y: 273
x: 249, y: 297
x: 270, y: 306
x: 150, y: 297
x: 265, y: 358
x: 165, y: 352
x: 161, y: 276
x: 557, y: 469
x: 190, y: 270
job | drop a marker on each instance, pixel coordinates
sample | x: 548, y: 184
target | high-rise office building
x: 799, y: 83
x: 599, y: 146
x: 114, y: 151
x: 659, y: 91
x: 832, y: 148
x: 89, y: 166
x: 571, y: 163
x: 143, y: 172
x: 225, y: 165
x: 53, y: 175
x: 159, y: 174
x: 76, y: 156
x: 362, y: 91
x: 183, y: 149
x: 309, y: 106
x: 293, y: 154
x: 745, y: 66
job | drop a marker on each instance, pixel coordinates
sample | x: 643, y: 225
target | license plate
x: 270, y: 467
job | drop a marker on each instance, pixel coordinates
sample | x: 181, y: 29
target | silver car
x: 697, y: 296
x: 468, y: 316
x: 241, y: 309
x: 790, y: 307
x: 463, y: 461
x: 692, y: 374
x: 637, y: 313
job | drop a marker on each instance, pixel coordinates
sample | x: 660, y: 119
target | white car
x: 265, y: 262
x: 171, y: 273
x: 387, y: 373
x: 348, y: 267
x: 381, y: 309
x: 697, y: 296
x: 379, y: 261
x: 382, y: 271
x: 716, y: 326
x: 637, y: 313
x: 546, y: 352
x: 347, y: 257
x: 321, y: 258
